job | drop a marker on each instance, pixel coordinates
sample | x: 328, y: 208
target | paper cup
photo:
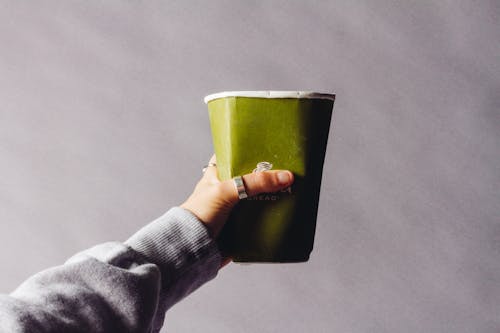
x: 259, y: 130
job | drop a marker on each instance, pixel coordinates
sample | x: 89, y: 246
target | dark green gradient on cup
x: 290, y: 133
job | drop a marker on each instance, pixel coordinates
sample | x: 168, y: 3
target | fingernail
x: 283, y: 177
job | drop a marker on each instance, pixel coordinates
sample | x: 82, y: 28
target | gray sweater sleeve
x: 117, y: 287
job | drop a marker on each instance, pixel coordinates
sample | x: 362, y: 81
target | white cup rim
x: 270, y: 94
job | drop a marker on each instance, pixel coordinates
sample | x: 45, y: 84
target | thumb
x: 260, y: 182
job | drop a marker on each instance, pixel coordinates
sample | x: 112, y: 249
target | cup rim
x: 270, y: 94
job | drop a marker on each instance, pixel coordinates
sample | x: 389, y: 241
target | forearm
x: 117, y: 287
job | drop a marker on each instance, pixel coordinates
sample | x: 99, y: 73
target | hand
x: 212, y: 200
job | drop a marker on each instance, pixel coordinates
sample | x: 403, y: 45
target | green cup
x: 254, y: 131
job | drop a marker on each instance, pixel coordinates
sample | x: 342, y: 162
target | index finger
x: 211, y: 171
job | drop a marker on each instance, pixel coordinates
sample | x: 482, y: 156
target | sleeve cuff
x: 180, y: 245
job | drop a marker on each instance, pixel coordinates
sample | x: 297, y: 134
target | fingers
x: 259, y: 182
x: 267, y: 181
x: 213, y: 159
x: 255, y: 183
x: 211, y: 171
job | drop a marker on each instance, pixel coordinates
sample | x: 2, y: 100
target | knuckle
x: 261, y: 179
x: 224, y: 193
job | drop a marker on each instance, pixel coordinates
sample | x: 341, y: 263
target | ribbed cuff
x: 181, y: 247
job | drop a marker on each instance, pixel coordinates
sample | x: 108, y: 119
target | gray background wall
x: 102, y: 129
